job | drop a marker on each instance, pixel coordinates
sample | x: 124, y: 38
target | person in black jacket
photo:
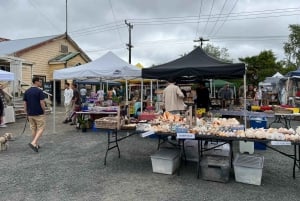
x: 202, y: 100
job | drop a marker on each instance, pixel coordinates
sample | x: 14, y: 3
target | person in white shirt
x: 68, y: 94
x: 100, y: 95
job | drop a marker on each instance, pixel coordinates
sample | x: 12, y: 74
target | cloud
x: 162, y: 30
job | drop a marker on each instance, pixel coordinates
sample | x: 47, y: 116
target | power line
x: 232, y: 19
x: 85, y: 33
x: 214, y: 26
x: 197, y: 29
x: 209, y: 16
x: 226, y: 18
x: 169, y: 42
x: 135, y: 20
x: 187, y: 19
x: 35, y: 6
x: 112, y: 10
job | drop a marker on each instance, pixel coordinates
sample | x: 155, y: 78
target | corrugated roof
x: 64, y: 57
x: 12, y: 46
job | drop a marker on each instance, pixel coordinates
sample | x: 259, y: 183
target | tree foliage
x: 292, y: 47
x: 261, y: 66
x: 217, y: 52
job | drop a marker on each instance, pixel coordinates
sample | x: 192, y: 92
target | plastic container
x: 259, y: 122
x: 248, y: 168
x: 246, y: 147
x: 165, y: 161
x: 215, y: 168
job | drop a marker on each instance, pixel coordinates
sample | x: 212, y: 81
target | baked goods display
x: 222, y: 127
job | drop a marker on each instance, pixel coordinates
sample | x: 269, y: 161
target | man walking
x: 68, y: 94
x: 34, y: 106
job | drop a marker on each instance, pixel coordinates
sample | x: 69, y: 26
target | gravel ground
x: 69, y: 166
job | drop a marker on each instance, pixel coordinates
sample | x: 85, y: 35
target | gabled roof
x: 195, y: 64
x: 13, y: 46
x: 16, y: 47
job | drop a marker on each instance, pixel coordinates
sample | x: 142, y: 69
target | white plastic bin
x: 246, y: 147
x: 248, y: 168
x: 165, y: 161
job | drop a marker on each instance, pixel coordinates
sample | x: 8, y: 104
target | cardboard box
x: 165, y: 161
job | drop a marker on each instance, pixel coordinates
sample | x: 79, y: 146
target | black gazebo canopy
x: 196, y: 64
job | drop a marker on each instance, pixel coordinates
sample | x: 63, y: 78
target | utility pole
x: 201, y: 40
x: 66, y: 19
x: 129, y: 46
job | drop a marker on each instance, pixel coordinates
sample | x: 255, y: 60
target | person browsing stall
x: 68, y: 94
x: 34, y: 107
x: 76, y: 104
x: 173, y: 97
x: 202, y: 100
x: 226, y: 95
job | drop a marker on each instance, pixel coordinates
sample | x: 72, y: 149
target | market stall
x: 9, y: 110
x: 109, y: 66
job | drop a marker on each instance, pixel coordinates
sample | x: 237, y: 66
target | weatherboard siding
x: 40, y: 57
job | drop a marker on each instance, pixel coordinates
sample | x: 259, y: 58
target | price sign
x: 185, y: 136
x: 145, y: 134
x: 281, y: 143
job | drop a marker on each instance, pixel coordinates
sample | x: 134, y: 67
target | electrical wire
x: 113, y: 13
x: 212, y: 6
x: 226, y: 18
x: 216, y: 22
x: 35, y: 6
x: 197, y: 29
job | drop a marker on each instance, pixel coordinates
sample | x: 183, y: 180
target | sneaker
x: 3, y: 126
x: 65, y: 121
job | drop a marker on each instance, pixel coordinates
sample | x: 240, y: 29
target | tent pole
x: 151, y: 94
x: 245, y: 101
x: 54, y: 105
x: 142, y: 93
x: 126, y: 91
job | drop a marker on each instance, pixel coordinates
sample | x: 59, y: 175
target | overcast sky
x: 162, y: 29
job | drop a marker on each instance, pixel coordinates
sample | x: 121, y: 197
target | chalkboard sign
x: 48, y: 87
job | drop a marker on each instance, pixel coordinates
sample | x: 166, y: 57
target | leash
x: 14, y: 139
x: 25, y: 125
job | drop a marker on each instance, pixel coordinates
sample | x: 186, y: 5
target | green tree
x: 292, y: 47
x: 217, y: 52
x: 261, y: 66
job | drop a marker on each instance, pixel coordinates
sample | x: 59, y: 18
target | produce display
x: 223, y: 127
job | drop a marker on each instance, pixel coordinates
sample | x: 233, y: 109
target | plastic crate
x: 248, y: 168
x: 215, y: 168
x: 165, y: 161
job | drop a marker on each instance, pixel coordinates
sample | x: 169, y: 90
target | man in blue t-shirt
x: 34, y: 106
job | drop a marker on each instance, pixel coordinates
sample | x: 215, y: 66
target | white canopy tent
x: 6, y: 76
x: 278, y: 75
x: 109, y: 66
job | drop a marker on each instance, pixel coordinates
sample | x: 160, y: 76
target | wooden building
x: 40, y: 56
